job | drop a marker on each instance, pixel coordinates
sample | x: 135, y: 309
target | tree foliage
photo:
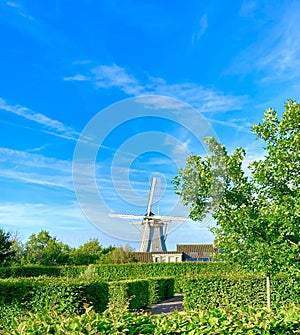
x: 258, y: 212
x: 88, y: 253
x: 43, y: 249
x: 119, y: 255
x: 6, y: 250
x: 46, y: 250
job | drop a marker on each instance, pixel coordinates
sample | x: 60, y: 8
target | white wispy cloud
x: 203, y: 24
x: 31, y: 217
x: 27, y: 169
x: 276, y: 54
x: 204, y: 99
x: 31, y: 168
x: 51, y: 126
x: 18, y: 7
x: 115, y: 76
x: 37, y: 169
x: 239, y: 124
x: 77, y: 77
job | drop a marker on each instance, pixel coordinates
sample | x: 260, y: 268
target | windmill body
x: 153, y: 227
x: 153, y: 236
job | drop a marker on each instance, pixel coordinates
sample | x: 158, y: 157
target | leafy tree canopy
x: 258, y: 212
x: 43, y: 249
x: 6, y: 250
x: 88, y: 253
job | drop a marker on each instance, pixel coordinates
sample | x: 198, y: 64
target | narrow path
x: 167, y: 306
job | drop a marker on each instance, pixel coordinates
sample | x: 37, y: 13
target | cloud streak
x: 51, y: 126
x: 19, y: 9
x: 202, y: 29
x: 277, y: 53
x: 35, y: 169
x: 204, y: 99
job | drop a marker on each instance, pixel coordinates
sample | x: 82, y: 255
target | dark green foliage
x: 37, y: 270
x: 43, y: 249
x: 47, y: 293
x: 119, y: 271
x: 178, y: 271
x: 206, y: 292
x: 6, y: 251
x: 71, y: 295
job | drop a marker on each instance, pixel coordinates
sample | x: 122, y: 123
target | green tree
x: 43, y: 249
x: 119, y: 255
x: 18, y: 249
x: 257, y: 214
x: 6, y: 250
x: 88, y: 253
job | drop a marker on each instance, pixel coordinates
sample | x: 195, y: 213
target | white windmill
x: 154, y: 228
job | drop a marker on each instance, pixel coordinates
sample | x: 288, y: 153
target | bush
x: 72, y: 295
x: 217, y: 321
x: 137, y: 294
x: 37, y: 270
x: 134, y: 293
x: 160, y: 289
x: 60, y: 293
x: 206, y: 292
x: 118, y: 271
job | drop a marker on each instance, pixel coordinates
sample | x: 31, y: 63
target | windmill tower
x: 154, y: 228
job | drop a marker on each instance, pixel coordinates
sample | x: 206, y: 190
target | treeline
x: 46, y: 250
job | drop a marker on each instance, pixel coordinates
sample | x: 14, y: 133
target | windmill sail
x: 151, y: 193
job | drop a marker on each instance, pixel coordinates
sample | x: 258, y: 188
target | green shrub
x: 206, y: 292
x: 71, y: 295
x: 160, y: 289
x: 118, y: 271
x: 135, y: 293
x: 36, y: 271
x: 60, y: 293
x: 216, y: 321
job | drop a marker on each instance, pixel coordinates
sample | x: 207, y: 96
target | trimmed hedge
x: 135, y: 293
x: 63, y: 294
x: 239, y: 291
x: 118, y: 271
x: 72, y: 295
x: 36, y: 271
x: 140, y: 293
x: 160, y: 289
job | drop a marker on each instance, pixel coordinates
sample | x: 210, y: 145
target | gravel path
x: 167, y: 306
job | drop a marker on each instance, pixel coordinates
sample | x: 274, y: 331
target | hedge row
x: 216, y: 321
x: 120, y: 272
x: 36, y: 271
x: 238, y: 291
x: 72, y: 294
x: 62, y: 293
x: 140, y: 293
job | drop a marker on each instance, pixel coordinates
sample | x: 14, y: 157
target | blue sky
x: 62, y: 62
